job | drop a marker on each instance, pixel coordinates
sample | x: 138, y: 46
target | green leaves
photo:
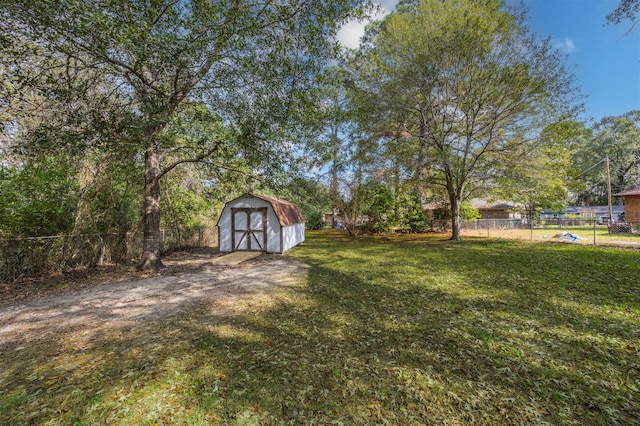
x: 38, y: 199
x: 122, y: 71
x: 467, y: 84
x: 619, y: 139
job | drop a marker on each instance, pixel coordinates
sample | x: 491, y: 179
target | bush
x: 411, y: 217
x: 38, y: 198
x: 313, y: 219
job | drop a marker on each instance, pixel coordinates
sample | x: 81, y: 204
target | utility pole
x: 609, y: 193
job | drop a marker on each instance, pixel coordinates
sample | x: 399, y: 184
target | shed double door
x: 249, y: 229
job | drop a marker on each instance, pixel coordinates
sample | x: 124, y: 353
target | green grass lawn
x: 384, y: 330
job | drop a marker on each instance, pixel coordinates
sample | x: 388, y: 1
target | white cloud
x: 566, y: 45
x: 351, y: 32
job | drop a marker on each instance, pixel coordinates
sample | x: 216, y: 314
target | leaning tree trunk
x: 151, y: 244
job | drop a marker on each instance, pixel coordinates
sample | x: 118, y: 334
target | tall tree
x: 250, y: 62
x: 469, y: 84
x: 544, y: 177
x: 618, y: 138
x: 311, y: 196
x: 329, y: 147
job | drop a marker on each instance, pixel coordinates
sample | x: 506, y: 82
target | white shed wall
x: 273, y: 231
x: 224, y: 230
x: 292, y: 236
x: 224, y: 224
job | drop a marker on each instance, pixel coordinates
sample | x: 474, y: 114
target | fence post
x: 595, y: 223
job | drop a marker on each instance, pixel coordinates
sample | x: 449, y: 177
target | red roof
x: 286, y: 212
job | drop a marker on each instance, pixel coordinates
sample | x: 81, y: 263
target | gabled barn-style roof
x: 286, y: 212
x: 260, y: 223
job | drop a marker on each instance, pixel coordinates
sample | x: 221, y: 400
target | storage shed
x: 260, y: 223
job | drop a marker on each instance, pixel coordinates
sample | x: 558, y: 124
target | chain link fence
x: 36, y: 256
x: 579, y: 231
x: 187, y: 238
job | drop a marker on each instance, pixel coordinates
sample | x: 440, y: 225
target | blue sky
x: 604, y: 59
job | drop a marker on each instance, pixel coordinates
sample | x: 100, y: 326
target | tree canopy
x: 120, y: 73
x: 627, y: 10
x: 616, y: 138
x: 467, y: 86
x: 444, y: 101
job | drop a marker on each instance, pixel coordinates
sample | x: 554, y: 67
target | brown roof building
x: 631, y: 203
x: 488, y: 209
x: 260, y: 223
x: 494, y: 209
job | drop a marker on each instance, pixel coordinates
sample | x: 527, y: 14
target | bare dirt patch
x: 105, y: 301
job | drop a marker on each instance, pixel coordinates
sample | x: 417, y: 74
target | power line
x: 585, y: 172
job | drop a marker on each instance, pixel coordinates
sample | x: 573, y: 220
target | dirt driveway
x: 190, y: 282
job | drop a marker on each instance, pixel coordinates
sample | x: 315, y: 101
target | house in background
x: 631, y: 198
x: 495, y: 209
x: 327, y: 219
x: 260, y: 223
x: 584, y: 213
x: 488, y: 209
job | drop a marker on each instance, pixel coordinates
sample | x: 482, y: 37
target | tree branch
x: 196, y: 159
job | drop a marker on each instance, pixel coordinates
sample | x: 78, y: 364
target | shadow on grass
x: 379, y: 331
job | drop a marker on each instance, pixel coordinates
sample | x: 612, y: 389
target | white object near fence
x: 260, y: 223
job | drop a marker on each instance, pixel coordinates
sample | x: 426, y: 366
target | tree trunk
x: 455, y: 215
x: 423, y: 168
x: 334, y: 192
x: 151, y: 244
x: 530, y: 212
x: 333, y: 186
